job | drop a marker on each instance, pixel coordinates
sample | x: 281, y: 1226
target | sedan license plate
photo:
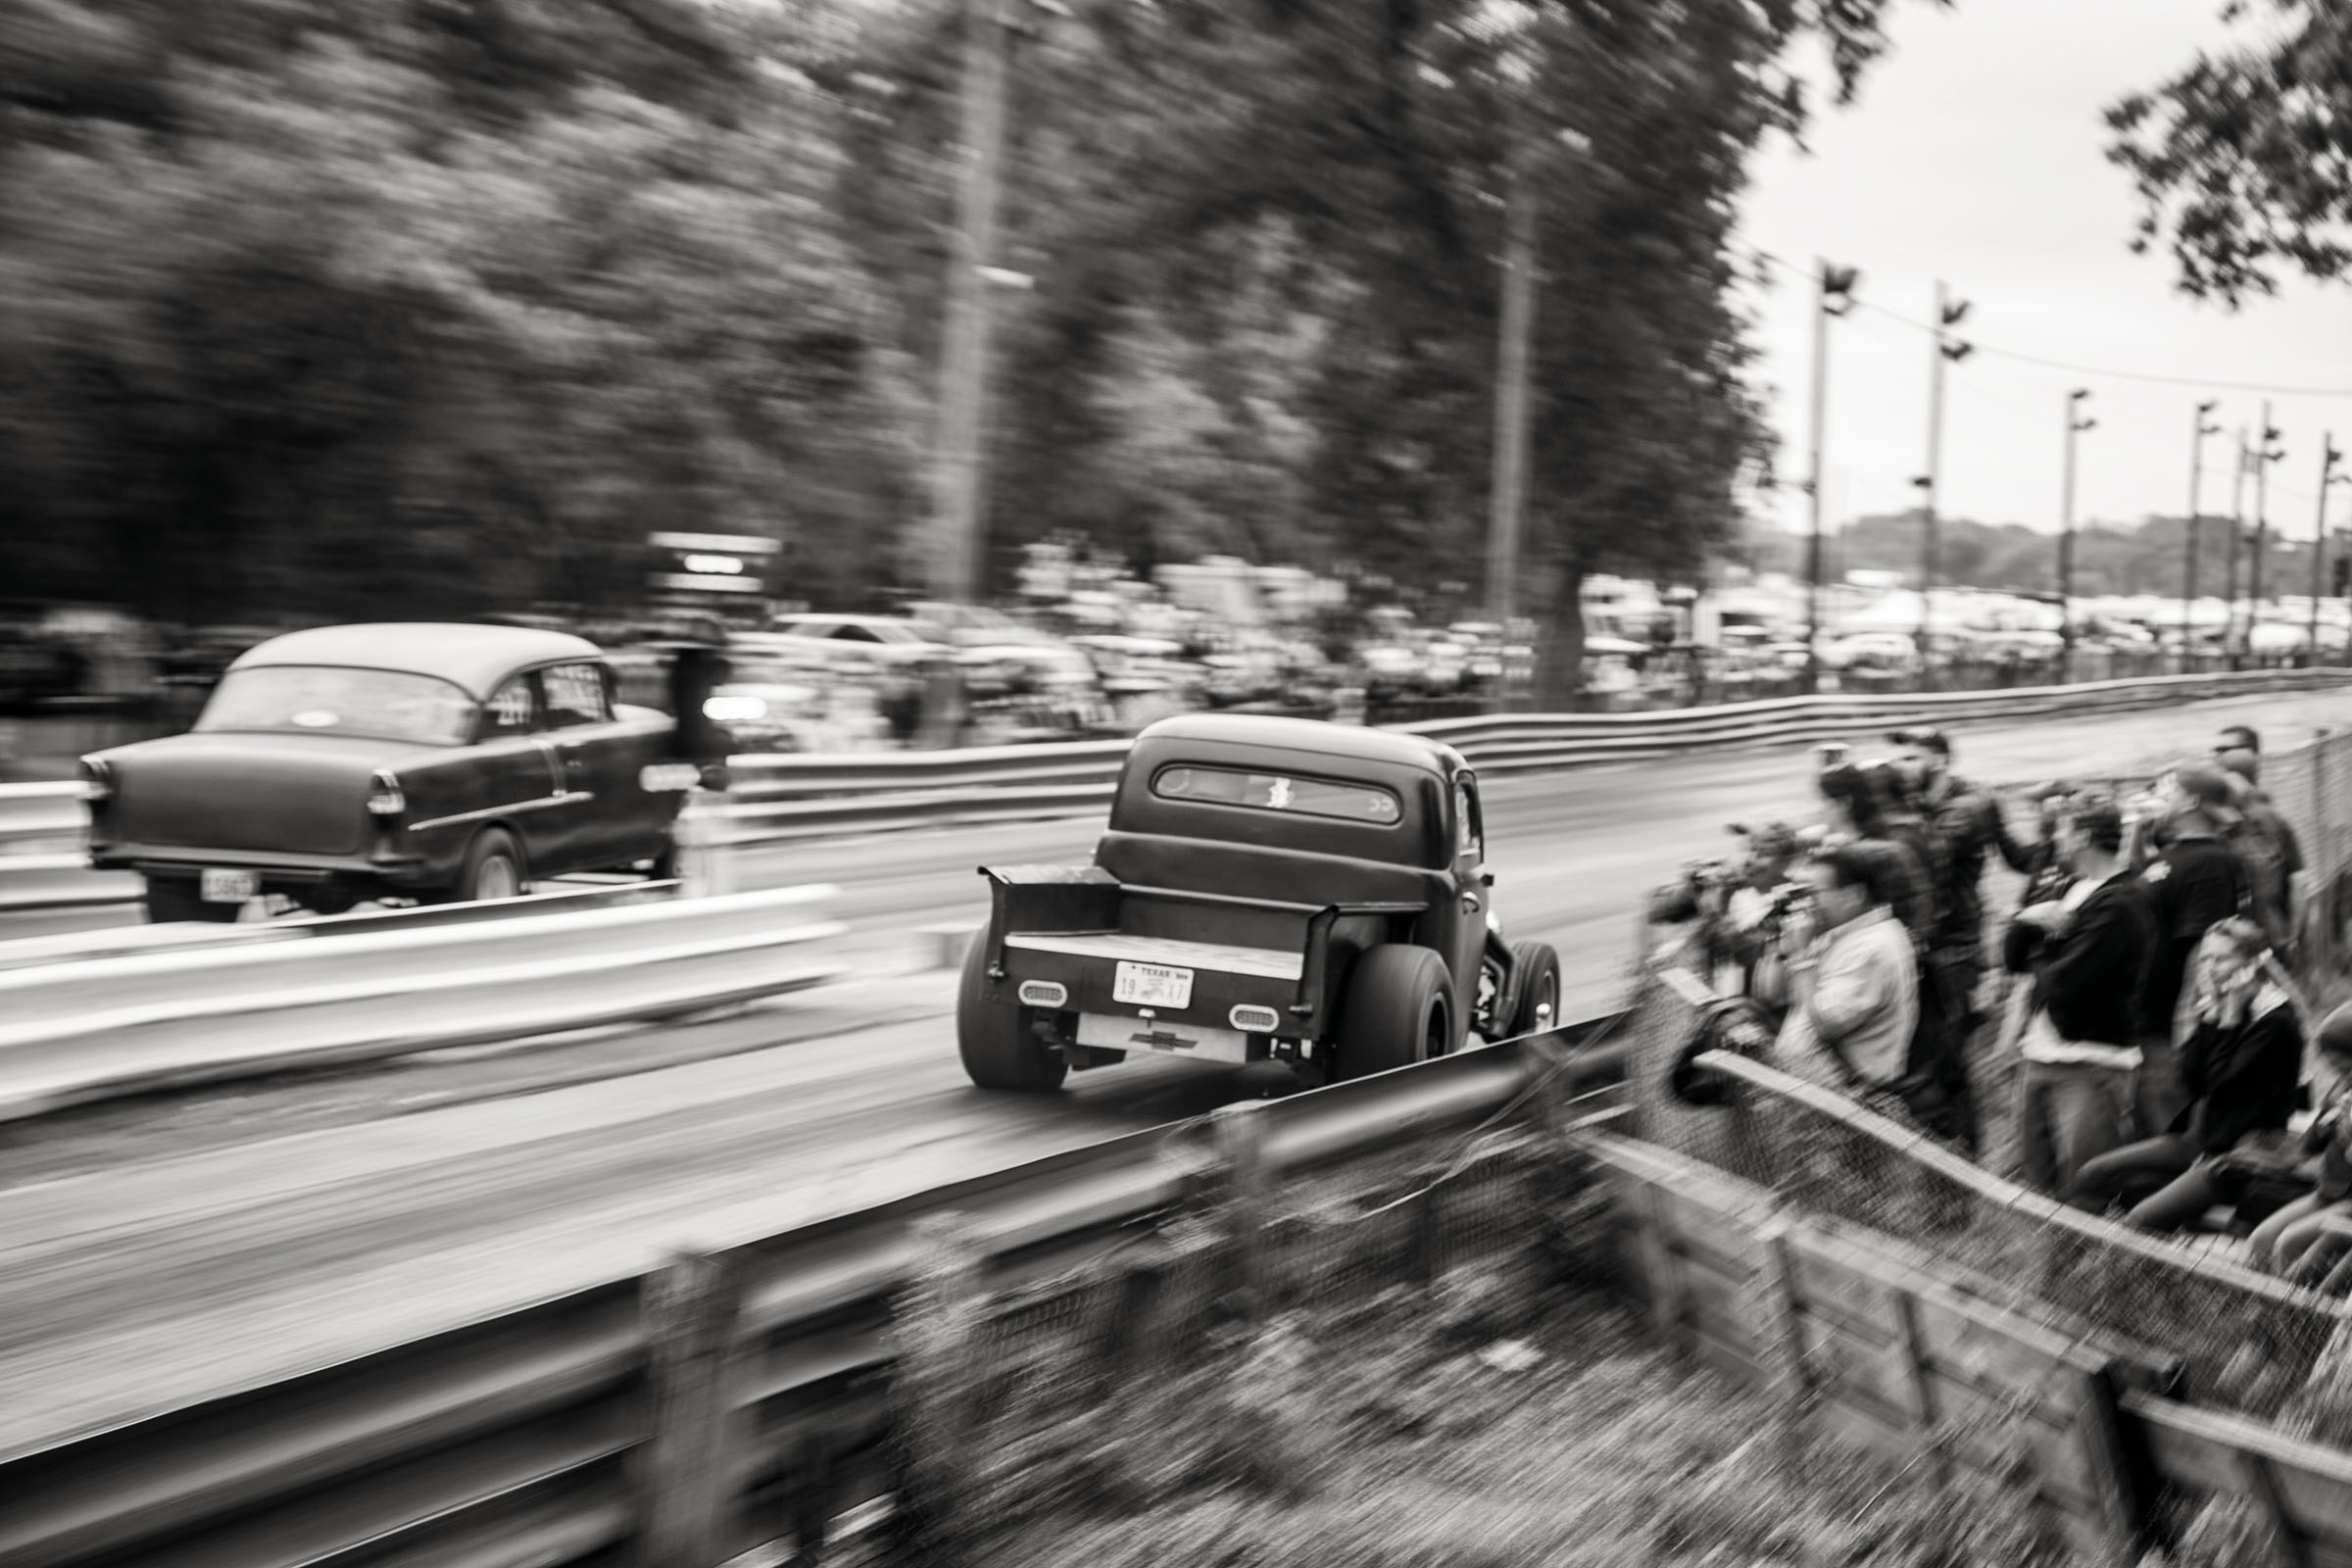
x: 1152, y: 985
x: 229, y: 887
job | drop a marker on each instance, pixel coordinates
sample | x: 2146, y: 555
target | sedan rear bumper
x: 280, y: 873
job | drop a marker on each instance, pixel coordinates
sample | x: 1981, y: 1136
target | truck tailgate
x: 1265, y: 963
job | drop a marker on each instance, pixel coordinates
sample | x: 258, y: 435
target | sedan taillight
x: 97, y: 780
x: 384, y: 798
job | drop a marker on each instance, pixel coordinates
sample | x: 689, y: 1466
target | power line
x: 2149, y: 378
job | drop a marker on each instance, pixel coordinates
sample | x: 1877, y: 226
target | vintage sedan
x: 422, y: 762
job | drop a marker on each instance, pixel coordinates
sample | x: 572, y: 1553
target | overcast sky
x: 1975, y: 155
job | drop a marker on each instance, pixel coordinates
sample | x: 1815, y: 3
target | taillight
x: 383, y: 795
x: 97, y: 780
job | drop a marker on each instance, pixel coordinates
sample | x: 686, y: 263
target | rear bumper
x: 284, y: 873
x: 1091, y: 984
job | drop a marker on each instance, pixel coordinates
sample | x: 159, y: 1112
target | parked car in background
x: 412, y: 760
x: 884, y: 640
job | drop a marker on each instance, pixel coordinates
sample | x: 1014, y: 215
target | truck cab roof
x: 1302, y: 786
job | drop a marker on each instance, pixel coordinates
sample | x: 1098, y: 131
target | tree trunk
x: 1560, y: 644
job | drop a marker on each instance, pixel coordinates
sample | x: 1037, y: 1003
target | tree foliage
x: 2243, y: 160
x: 421, y: 306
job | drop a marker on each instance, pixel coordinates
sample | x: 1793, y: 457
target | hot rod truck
x: 1268, y: 889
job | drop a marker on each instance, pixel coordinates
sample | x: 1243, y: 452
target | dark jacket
x: 2241, y: 1080
x: 1904, y: 880
x: 1972, y: 828
x: 2193, y: 884
x: 2093, y: 979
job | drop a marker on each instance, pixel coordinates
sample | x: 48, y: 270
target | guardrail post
x: 686, y: 1505
x: 1241, y: 1142
x: 939, y: 1326
x: 705, y: 870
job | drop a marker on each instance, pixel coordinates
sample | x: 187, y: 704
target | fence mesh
x: 2243, y: 1342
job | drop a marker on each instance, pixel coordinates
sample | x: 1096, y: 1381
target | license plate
x: 1152, y: 985
x: 229, y: 887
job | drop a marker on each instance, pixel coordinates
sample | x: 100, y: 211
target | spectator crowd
x: 2124, y: 1036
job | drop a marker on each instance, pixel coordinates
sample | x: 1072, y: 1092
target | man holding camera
x: 1856, y: 982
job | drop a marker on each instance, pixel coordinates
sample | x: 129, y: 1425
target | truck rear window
x: 1278, y: 792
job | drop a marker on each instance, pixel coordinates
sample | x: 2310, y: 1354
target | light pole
x: 1833, y: 296
x: 2076, y: 424
x: 957, y: 457
x: 2264, y: 457
x: 2330, y: 456
x: 2196, y: 492
x: 2238, y: 530
x: 1946, y: 350
x: 1514, y: 350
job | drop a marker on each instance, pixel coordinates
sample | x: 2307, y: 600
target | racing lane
x: 224, y: 1239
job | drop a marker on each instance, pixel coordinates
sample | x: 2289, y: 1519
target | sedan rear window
x: 1278, y: 792
x: 317, y: 700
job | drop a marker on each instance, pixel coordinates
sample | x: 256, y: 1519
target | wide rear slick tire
x: 1398, y: 1008
x: 1535, y: 971
x: 993, y: 1037
x: 176, y: 898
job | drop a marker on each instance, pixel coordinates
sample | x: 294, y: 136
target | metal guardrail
x: 781, y: 798
x: 776, y: 798
x: 33, y: 814
x: 126, y: 941
x: 75, y: 1032
x: 512, y: 1439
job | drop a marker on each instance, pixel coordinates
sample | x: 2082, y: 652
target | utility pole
x: 2074, y: 425
x: 958, y: 465
x: 1833, y: 296
x: 2330, y: 456
x: 2196, y: 492
x: 2237, y: 531
x: 1946, y: 350
x: 1509, y: 491
x: 2263, y: 458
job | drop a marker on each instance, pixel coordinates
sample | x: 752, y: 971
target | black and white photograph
x: 1229, y: 783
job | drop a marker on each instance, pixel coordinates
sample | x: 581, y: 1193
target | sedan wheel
x: 494, y: 869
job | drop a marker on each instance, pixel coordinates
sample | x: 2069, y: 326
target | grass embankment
x: 1413, y: 1435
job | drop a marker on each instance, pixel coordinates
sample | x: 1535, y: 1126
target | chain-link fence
x: 2244, y: 1341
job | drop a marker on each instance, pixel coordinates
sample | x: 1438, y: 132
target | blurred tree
x: 1264, y: 242
x: 334, y: 310
x: 2243, y: 161
x: 338, y: 308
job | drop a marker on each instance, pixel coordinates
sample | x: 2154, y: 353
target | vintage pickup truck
x: 1269, y: 889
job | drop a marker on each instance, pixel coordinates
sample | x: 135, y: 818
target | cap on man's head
x: 1923, y: 735
x: 1770, y: 840
x: 2246, y: 764
x: 2238, y: 738
x: 2210, y: 787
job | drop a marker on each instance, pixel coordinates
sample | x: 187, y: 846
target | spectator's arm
x: 2292, y: 846
x: 2019, y: 857
x: 1848, y: 989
